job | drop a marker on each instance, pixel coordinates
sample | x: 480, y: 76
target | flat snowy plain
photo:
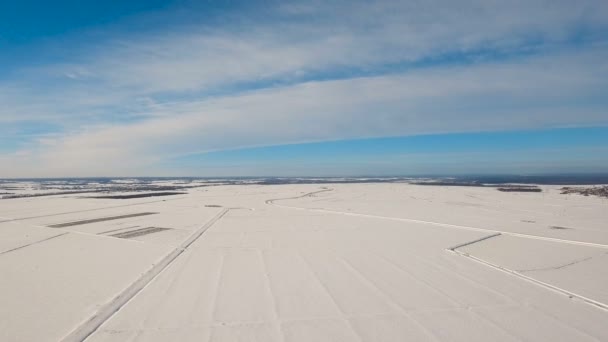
x: 302, y: 263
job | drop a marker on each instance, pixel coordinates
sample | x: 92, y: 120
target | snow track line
x: 271, y: 201
x: 597, y: 304
x: 554, y: 288
x: 438, y: 224
x: 100, y: 219
x: 88, y: 327
x: 34, y: 243
x: 474, y: 241
x: 87, y: 210
x: 447, y: 225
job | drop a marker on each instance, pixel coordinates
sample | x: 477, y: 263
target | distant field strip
x: 110, y: 218
x: 88, y: 210
x: 139, y: 232
x: 144, y: 195
x: 438, y: 224
x: 115, y: 230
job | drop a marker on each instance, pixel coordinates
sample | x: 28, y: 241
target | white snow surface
x: 300, y: 263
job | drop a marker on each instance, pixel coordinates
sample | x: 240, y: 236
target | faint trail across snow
x: 33, y: 243
x: 438, y: 224
x: 570, y: 294
x: 88, y: 327
x: 454, y: 249
x: 309, y: 194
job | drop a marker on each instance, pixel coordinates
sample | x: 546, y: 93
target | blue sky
x: 549, y: 151
x: 212, y: 88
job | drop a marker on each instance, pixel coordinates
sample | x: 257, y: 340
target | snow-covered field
x: 306, y: 262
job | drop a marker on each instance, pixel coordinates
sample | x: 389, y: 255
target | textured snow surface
x: 349, y: 262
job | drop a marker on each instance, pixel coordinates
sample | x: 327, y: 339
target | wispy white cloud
x: 350, y: 34
x: 531, y: 94
x: 314, y: 72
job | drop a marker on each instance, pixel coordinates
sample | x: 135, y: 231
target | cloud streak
x: 311, y: 73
